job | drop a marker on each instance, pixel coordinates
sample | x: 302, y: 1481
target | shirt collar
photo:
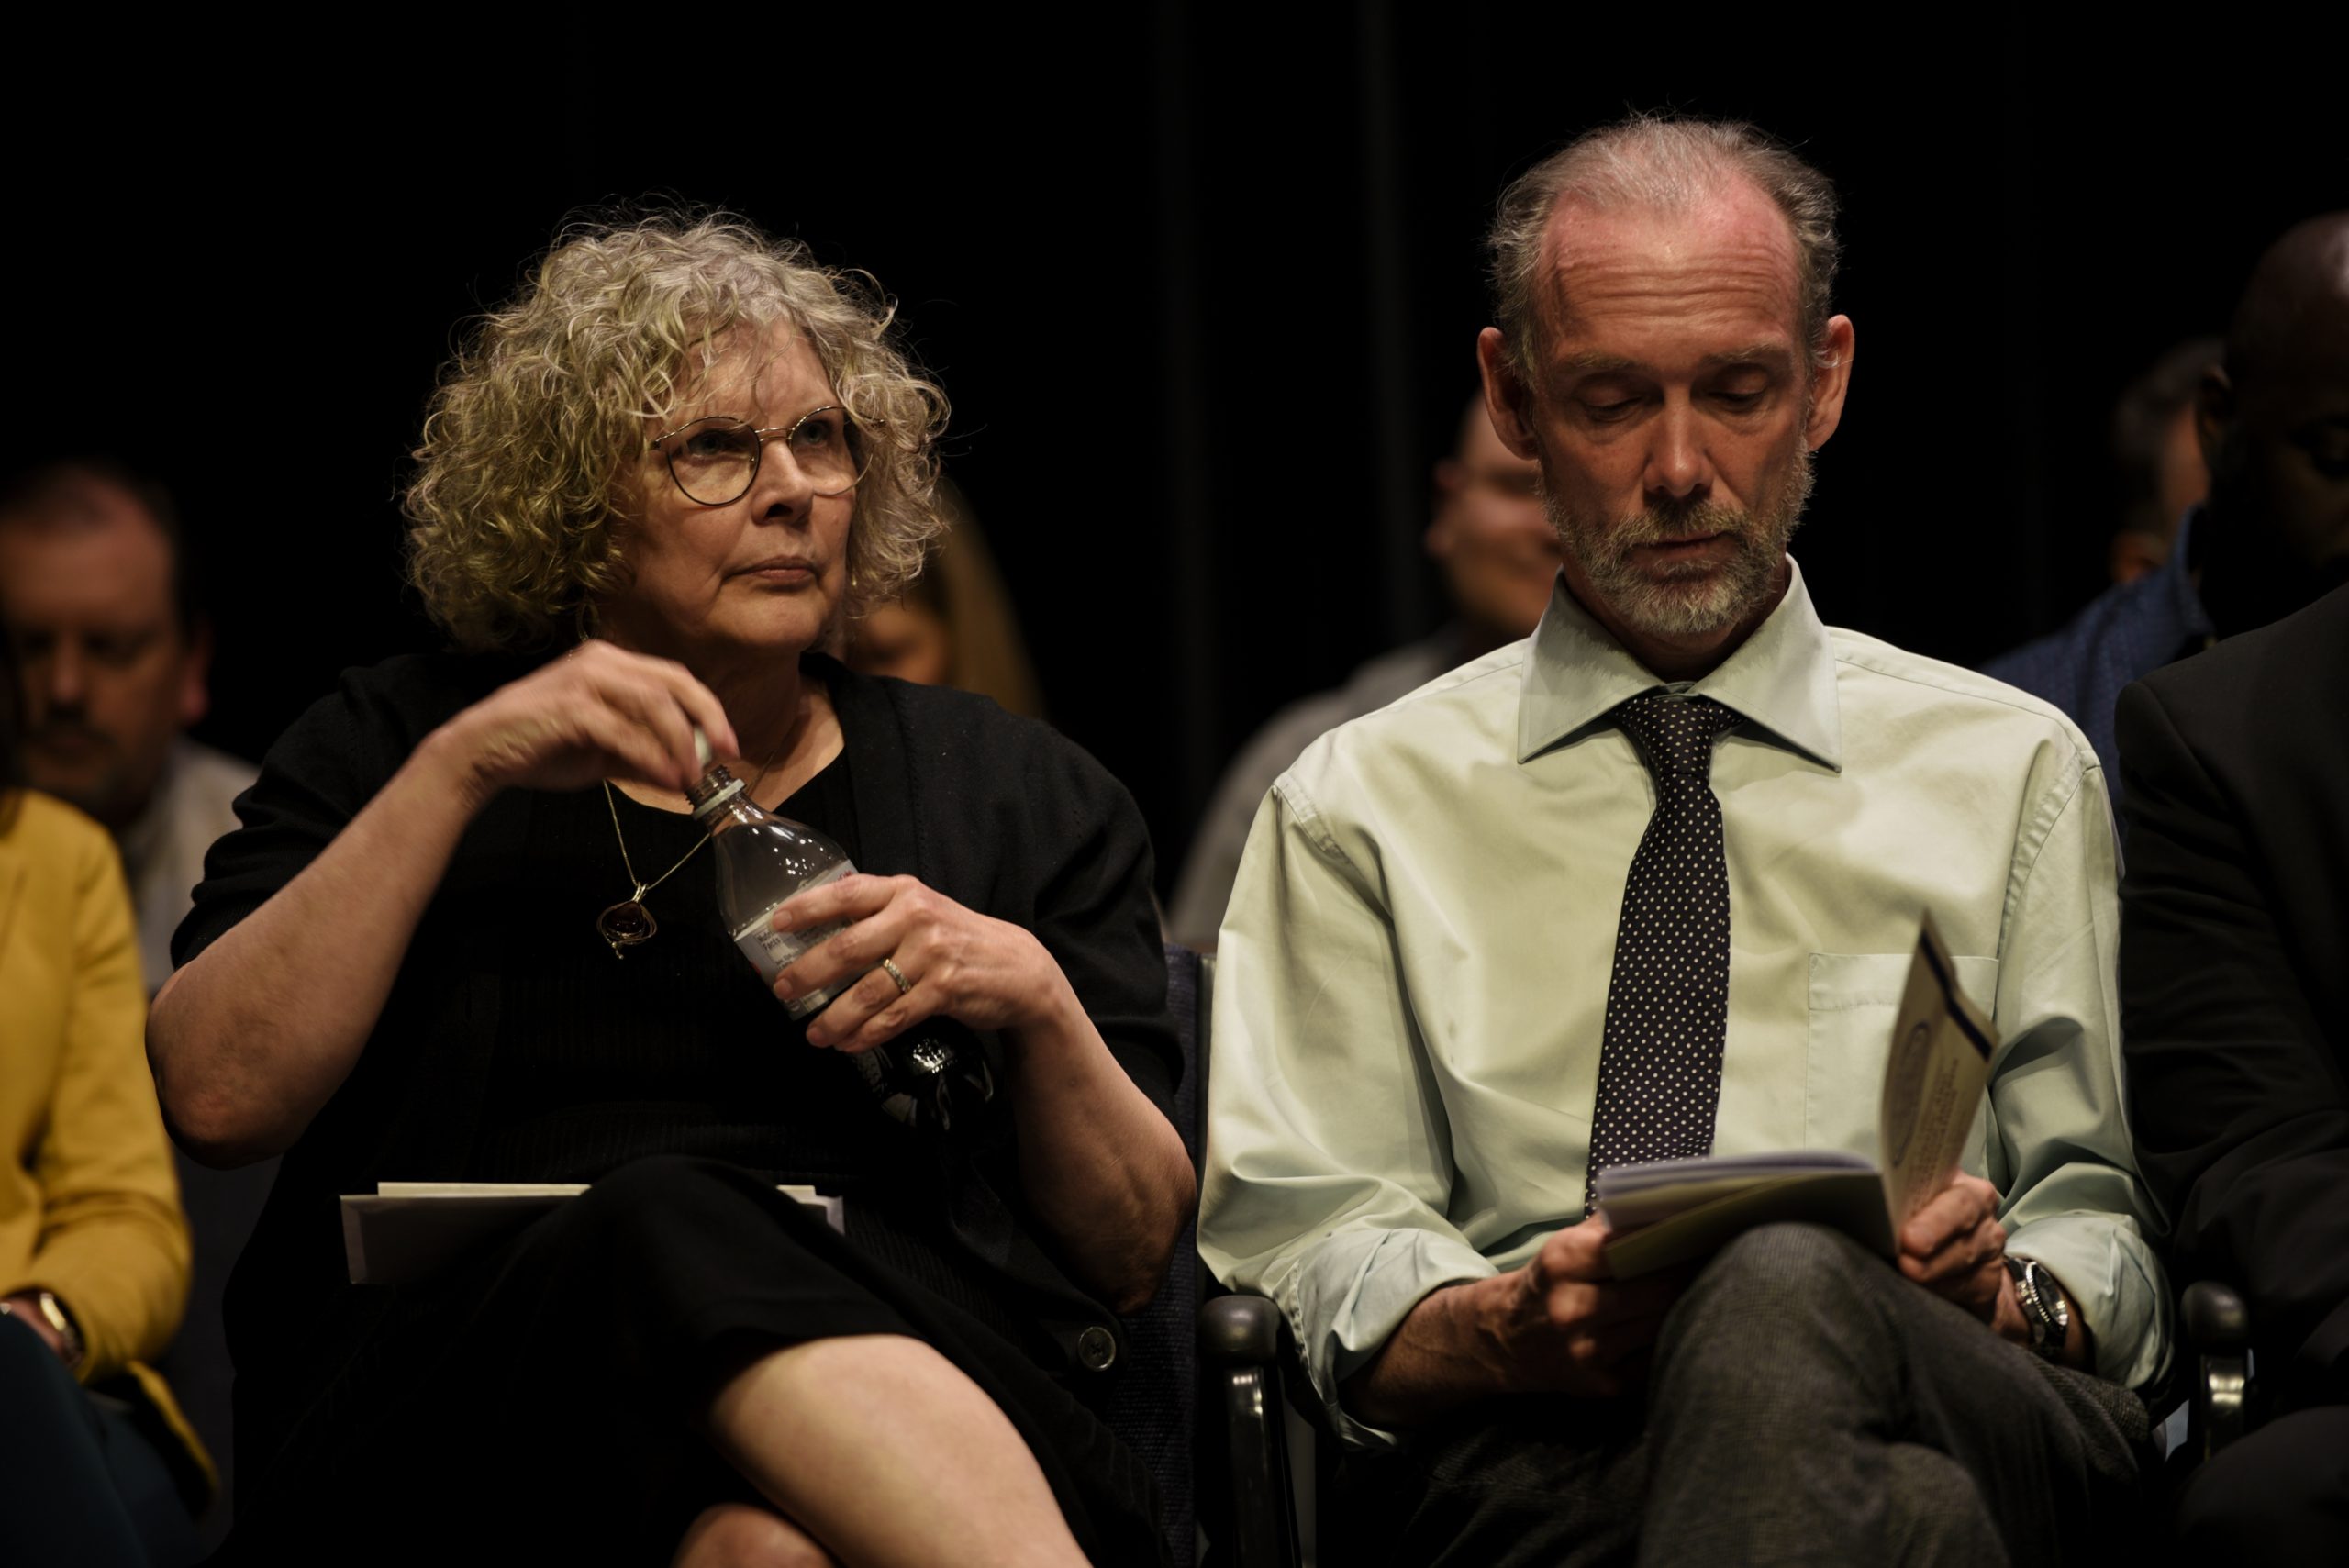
x: 1781, y: 680
x: 143, y: 837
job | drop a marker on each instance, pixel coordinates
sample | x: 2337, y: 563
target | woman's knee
x: 742, y: 1535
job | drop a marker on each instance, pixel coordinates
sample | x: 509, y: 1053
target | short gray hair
x: 1662, y: 163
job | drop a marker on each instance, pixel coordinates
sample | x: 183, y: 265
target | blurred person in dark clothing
x: 2157, y: 457
x: 96, y: 603
x: 2235, y: 1002
x: 1498, y: 553
x: 2274, y: 425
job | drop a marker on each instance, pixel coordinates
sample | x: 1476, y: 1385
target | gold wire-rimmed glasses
x: 715, y: 459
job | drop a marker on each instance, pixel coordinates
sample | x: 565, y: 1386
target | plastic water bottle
x: 763, y: 860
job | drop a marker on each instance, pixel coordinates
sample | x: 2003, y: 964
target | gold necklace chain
x: 629, y: 922
x: 645, y: 887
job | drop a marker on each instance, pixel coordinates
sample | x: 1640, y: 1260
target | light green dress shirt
x: 1411, y: 979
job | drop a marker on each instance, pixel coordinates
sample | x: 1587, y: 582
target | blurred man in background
x: 1498, y: 553
x: 2157, y: 457
x: 96, y: 600
x: 2273, y: 424
x: 2234, y: 916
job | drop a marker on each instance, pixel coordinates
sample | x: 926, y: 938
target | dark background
x: 1203, y: 285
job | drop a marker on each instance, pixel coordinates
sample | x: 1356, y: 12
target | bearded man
x: 1646, y: 884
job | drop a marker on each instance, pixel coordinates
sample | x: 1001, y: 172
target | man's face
x: 1671, y: 412
x: 1498, y: 552
x: 109, y: 680
x: 2280, y: 463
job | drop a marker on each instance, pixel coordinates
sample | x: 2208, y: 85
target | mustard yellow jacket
x: 89, y: 1207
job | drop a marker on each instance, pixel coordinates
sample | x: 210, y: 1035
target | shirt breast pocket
x: 1853, y: 1000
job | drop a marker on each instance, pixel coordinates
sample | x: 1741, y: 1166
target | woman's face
x: 766, y: 573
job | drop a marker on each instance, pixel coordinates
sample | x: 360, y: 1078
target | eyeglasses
x: 716, y: 460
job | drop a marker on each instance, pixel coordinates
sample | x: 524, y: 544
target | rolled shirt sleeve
x: 2056, y: 1138
x: 1329, y: 1160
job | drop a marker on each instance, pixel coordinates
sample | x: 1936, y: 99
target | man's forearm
x: 1446, y: 1354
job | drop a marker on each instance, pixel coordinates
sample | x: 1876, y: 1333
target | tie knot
x: 1675, y: 735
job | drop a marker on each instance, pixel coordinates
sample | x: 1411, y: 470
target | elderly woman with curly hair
x: 468, y: 931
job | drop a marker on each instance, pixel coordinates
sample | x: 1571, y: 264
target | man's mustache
x: 66, y: 729
x: 1670, y: 524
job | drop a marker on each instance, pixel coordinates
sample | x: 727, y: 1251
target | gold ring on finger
x: 898, y: 975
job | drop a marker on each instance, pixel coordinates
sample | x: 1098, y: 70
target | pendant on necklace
x: 627, y: 923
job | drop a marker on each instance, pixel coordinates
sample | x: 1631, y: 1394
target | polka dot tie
x: 1667, y: 1003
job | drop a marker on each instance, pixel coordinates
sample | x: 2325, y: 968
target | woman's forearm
x: 257, y: 1032
x: 1102, y: 1168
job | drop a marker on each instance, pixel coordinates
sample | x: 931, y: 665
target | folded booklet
x: 1675, y: 1211
x: 405, y: 1232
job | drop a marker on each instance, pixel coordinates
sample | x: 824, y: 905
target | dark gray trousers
x: 1807, y: 1404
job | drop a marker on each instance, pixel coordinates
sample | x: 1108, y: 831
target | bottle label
x: 771, y: 951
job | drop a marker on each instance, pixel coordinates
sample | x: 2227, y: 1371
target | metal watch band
x: 2042, y: 1307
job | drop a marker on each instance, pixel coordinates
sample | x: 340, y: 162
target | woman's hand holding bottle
x: 983, y: 973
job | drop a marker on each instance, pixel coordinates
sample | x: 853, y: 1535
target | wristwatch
x: 53, y: 1313
x: 2044, y: 1306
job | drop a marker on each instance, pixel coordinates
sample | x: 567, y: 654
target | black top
x: 675, y: 1049
x: 514, y: 1046
x: 2235, y: 921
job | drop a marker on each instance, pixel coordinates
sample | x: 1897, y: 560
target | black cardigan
x: 999, y: 813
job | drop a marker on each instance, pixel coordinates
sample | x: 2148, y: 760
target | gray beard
x: 1694, y: 599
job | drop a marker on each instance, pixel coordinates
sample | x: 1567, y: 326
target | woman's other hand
x: 599, y: 712
x: 957, y: 963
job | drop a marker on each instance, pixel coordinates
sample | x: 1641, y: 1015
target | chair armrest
x: 1240, y: 1330
x: 2218, y: 1327
x: 1239, y: 1345
x: 2215, y: 1317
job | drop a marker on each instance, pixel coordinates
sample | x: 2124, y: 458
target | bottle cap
x: 717, y: 785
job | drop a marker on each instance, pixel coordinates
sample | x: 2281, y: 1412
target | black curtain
x: 1203, y: 285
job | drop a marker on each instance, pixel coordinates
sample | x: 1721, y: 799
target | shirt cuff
x: 2106, y: 1268
x: 1350, y: 1293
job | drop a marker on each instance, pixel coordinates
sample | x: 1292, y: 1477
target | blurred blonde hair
x: 519, y: 515
x: 961, y: 586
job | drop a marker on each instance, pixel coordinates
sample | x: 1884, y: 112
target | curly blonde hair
x: 518, y: 517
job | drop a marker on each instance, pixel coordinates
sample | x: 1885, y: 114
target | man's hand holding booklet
x: 1675, y: 1211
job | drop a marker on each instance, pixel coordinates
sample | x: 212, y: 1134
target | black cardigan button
x: 1097, y: 1349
